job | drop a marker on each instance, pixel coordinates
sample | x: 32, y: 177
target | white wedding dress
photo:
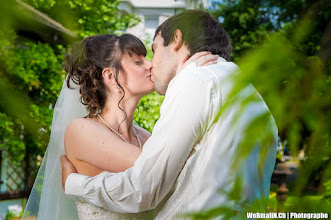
x: 90, y: 212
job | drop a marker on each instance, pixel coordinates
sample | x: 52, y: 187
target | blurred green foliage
x: 327, y: 194
x: 250, y: 22
x: 28, y: 115
x: 149, y: 111
x: 89, y: 17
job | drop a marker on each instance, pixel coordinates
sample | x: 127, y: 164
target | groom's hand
x: 67, y: 169
x: 203, y: 58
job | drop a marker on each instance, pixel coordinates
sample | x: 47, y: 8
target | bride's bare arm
x: 93, y: 148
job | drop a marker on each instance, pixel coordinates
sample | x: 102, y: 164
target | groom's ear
x: 178, y: 40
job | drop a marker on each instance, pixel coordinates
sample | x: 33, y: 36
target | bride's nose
x: 149, y: 64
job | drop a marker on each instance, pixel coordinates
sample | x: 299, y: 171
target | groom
x: 190, y: 154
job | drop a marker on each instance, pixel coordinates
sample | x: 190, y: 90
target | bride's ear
x: 109, y: 76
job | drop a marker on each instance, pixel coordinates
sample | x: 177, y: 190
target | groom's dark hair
x: 200, y: 32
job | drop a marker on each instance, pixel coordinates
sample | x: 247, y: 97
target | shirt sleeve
x: 185, y: 116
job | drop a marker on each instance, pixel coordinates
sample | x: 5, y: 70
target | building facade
x: 152, y: 13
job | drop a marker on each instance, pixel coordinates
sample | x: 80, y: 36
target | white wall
x: 152, y: 13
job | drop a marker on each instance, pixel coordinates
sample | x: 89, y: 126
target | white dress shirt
x: 188, y: 158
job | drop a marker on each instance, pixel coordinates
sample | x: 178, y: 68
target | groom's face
x: 164, y: 65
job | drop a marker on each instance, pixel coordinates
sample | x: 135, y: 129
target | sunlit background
x: 281, y: 46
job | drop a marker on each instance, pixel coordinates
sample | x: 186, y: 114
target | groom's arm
x: 185, y: 115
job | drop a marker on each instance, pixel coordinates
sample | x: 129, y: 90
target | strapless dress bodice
x: 90, y: 212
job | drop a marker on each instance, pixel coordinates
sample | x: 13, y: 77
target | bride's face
x: 135, y: 75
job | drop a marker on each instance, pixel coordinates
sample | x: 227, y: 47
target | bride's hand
x: 203, y: 58
x: 67, y: 169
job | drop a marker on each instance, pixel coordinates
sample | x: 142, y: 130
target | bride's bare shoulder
x: 82, y: 123
x: 80, y: 128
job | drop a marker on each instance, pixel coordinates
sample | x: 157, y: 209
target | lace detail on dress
x: 91, y: 212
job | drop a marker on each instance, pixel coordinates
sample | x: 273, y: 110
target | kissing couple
x: 114, y: 169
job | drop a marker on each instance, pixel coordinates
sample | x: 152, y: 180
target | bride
x: 113, y: 76
x: 107, y: 76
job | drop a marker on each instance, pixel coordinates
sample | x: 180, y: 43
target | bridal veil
x: 47, y: 199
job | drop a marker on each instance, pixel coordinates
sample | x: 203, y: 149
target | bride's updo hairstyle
x: 87, y: 59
